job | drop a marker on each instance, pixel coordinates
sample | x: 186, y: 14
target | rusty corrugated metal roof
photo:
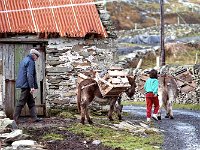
x: 71, y: 18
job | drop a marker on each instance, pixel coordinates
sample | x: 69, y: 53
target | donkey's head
x: 131, y: 91
x: 162, y: 80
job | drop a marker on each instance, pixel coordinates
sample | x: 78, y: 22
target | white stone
x: 2, y: 114
x: 16, y: 144
x: 6, y: 121
x: 12, y: 134
x: 96, y: 142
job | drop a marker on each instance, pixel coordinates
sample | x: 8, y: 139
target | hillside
x: 141, y: 14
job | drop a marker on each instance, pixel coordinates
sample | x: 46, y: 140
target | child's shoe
x: 154, y: 116
x: 148, y: 120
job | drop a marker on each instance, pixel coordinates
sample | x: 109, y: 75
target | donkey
x: 167, y: 93
x: 88, y: 89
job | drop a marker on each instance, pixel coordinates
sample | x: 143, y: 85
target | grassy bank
x: 118, y: 139
x: 175, y: 106
x: 181, y: 57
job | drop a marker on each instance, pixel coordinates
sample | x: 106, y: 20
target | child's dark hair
x: 153, y: 74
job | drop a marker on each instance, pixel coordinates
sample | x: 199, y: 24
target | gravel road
x: 181, y: 133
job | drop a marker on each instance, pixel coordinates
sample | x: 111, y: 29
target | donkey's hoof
x: 82, y: 122
x: 159, y: 117
x: 90, y: 122
x: 110, y: 118
x: 120, y: 118
x: 171, y: 117
x: 167, y: 116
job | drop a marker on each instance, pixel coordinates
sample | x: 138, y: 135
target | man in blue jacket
x: 27, y: 82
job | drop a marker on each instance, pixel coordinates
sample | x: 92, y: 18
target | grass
x: 175, y: 105
x: 66, y: 115
x: 194, y: 1
x: 149, y: 62
x: 185, y: 57
x: 53, y: 136
x: 188, y: 57
x: 126, y: 16
x: 187, y: 106
x: 118, y: 139
x: 63, y: 113
x: 127, y: 103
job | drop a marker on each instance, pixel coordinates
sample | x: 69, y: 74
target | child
x: 151, y: 91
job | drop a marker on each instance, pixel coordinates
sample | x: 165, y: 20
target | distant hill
x: 130, y: 14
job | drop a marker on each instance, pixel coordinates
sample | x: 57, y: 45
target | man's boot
x: 34, y: 115
x: 17, y: 114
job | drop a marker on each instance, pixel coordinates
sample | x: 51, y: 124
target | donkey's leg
x: 160, y: 98
x: 82, y: 114
x: 164, y: 103
x: 87, y: 115
x: 119, y: 108
x: 167, y: 110
x: 112, y: 105
x: 170, y: 112
x: 169, y: 105
x: 84, y: 105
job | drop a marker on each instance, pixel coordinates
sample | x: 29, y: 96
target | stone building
x: 71, y: 37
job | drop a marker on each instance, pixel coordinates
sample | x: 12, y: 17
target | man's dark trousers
x: 25, y: 97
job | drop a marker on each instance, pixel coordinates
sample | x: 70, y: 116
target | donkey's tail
x: 79, y: 98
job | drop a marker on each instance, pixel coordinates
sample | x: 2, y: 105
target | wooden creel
x: 113, y: 83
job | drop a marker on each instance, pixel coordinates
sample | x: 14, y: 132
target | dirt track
x: 181, y: 133
x: 58, y: 126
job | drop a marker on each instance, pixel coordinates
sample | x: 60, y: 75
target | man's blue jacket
x: 27, y: 74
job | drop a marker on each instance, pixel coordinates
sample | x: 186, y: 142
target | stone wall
x: 189, y: 92
x: 197, y: 79
x: 174, y: 31
x: 65, y: 58
x: 106, y: 21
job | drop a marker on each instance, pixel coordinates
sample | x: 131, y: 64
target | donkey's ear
x: 93, y: 73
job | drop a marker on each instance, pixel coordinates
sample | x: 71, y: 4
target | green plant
x: 118, y: 139
x: 66, y: 114
x: 53, y: 136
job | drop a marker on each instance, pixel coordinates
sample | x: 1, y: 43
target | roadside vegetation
x: 102, y: 131
x: 118, y: 139
x: 179, y: 56
x: 175, y: 105
x: 127, y: 16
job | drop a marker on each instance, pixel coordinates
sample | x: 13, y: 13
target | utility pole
x: 162, y: 53
x: 104, y: 4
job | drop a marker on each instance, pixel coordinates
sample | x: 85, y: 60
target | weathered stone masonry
x: 65, y: 58
x: 197, y: 76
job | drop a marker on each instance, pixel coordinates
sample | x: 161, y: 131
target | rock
x: 96, y: 142
x: 24, y: 143
x: 141, y: 129
x: 7, y: 123
x: 151, y: 131
x: 2, y: 115
x: 12, y: 134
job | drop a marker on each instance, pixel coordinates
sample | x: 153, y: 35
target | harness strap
x: 87, y: 85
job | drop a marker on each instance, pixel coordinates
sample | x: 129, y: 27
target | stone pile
x: 12, y: 138
x: 106, y: 21
x: 197, y: 77
x: 188, y: 90
x: 182, y: 30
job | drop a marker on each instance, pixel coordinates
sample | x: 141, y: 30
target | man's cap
x: 34, y: 51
